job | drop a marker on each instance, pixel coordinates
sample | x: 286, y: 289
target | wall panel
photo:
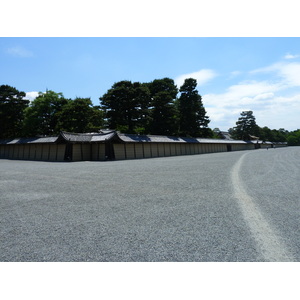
x: 60, y: 152
x: 86, y: 152
x: 161, y: 151
x: 147, y: 150
x: 130, y: 152
x: 139, y: 152
x: 154, y: 149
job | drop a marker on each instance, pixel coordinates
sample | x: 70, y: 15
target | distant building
x: 224, y: 135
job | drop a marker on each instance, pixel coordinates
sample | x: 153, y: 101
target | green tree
x: 265, y: 134
x: 80, y: 115
x: 96, y: 119
x: 192, y: 115
x: 12, y: 106
x: 163, y: 114
x: 293, y: 138
x: 273, y: 135
x: 216, y: 133
x: 125, y: 106
x: 246, y: 125
x: 41, y: 117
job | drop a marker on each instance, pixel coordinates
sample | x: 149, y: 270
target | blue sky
x: 233, y: 74
x: 244, y: 54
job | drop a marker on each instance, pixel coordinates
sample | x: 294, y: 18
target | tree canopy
x: 153, y: 108
x: 79, y: 115
x: 51, y: 113
x: 192, y: 115
x: 162, y: 107
x: 125, y: 106
x: 12, y: 106
x: 245, y: 126
x: 41, y: 117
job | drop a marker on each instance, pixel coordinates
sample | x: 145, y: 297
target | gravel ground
x: 162, y: 209
x: 274, y: 185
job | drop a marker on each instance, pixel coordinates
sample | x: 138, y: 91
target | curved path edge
x: 269, y: 244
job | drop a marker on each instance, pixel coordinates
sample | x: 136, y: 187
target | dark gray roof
x: 172, y: 139
x: 225, y: 135
x: 74, y: 137
x: 112, y: 135
x: 86, y: 137
x: 36, y: 140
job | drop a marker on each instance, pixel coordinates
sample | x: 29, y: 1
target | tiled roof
x: 172, y: 139
x: 86, y: 137
x: 36, y: 140
x: 225, y: 135
x: 120, y: 137
x: 75, y: 137
x: 103, y: 137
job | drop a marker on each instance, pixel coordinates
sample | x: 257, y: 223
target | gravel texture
x: 161, y: 209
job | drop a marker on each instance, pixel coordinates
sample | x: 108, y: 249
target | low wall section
x: 149, y: 150
x: 47, y: 152
x: 96, y: 151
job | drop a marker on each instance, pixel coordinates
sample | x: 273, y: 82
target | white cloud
x: 290, y: 56
x: 275, y: 101
x: 19, y: 51
x: 282, y: 112
x: 264, y: 96
x: 249, y: 92
x: 288, y: 72
x: 202, y: 77
x: 235, y: 74
x: 31, y: 95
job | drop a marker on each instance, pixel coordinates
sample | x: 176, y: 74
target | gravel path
x: 162, y: 209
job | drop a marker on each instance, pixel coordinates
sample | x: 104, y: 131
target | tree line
x: 246, y: 128
x: 157, y: 107
x: 129, y: 107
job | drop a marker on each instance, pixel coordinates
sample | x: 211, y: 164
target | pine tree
x: 192, y: 115
x: 245, y: 126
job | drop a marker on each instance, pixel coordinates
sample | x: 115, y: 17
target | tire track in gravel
x: 271, y: 247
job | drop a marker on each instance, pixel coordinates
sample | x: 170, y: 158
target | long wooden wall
x: 130, y: 150
x: 45, y: 152
x: 150, y: 150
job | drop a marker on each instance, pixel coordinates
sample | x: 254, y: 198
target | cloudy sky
x: 233, y: 73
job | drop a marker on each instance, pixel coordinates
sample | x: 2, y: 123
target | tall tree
x: 12, y: 106
x: 41, y: 117
x: 80, y: 115
x: 162, y: 107
x: 125, y: 105
x: 193, y: 120
x: 245, y: 126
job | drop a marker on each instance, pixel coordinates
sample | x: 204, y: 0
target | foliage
x: 162, y: 111
x: 293, y: 138
x: 192, y: 115
x: 125, y: 106
x: 79, y: 115
x: 264, y: 133
x: 41, y: 117
x: 51, y: 113
x: 12, y: 107
x: 267, y: 134
x: 245, y: 126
